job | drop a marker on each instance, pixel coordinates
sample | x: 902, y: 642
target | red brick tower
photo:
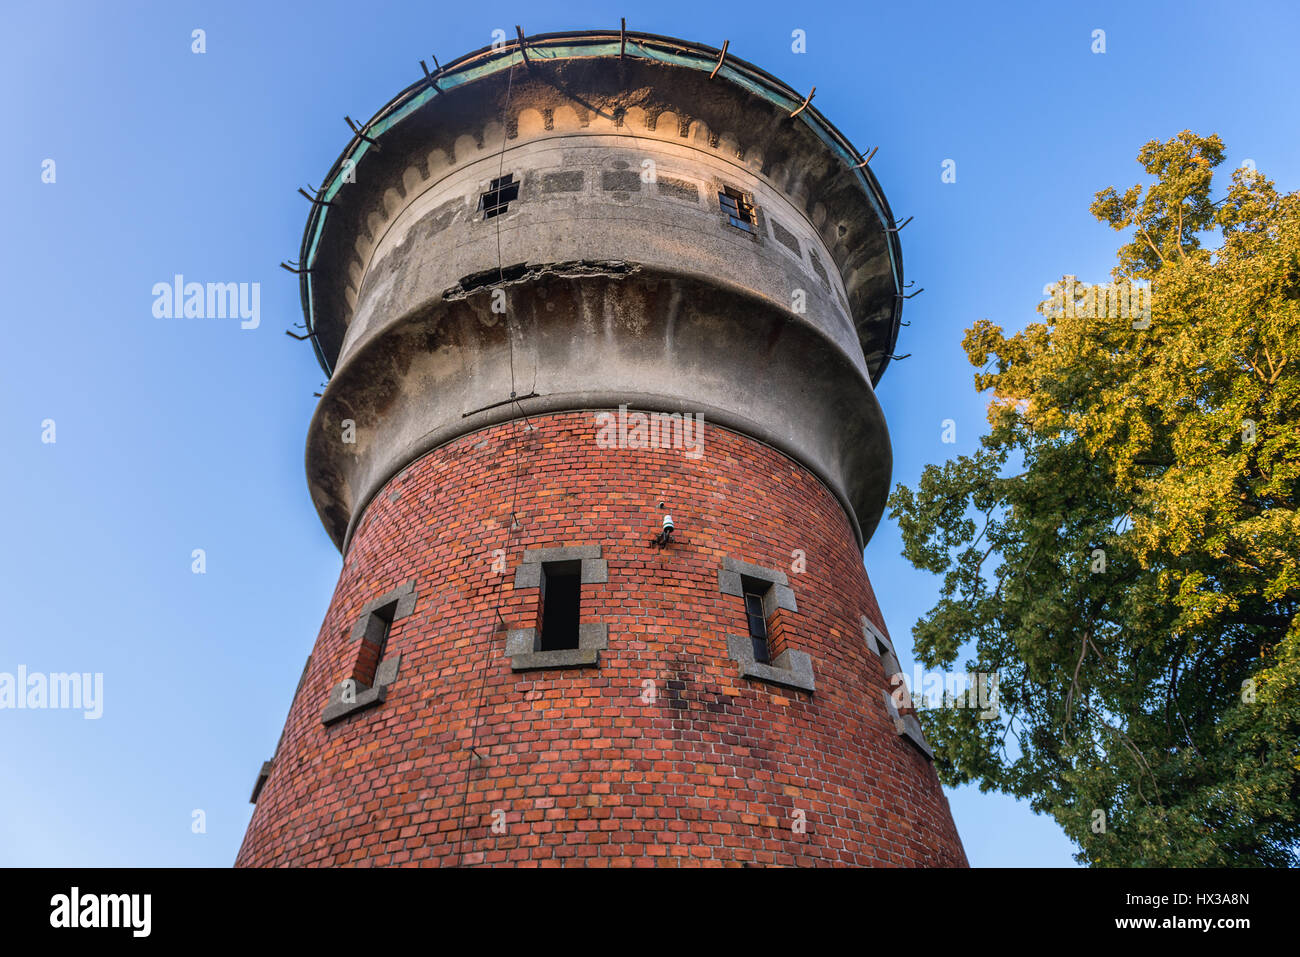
x: 564, y: 289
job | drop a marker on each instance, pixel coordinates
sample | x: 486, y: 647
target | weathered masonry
x: 526, y: 660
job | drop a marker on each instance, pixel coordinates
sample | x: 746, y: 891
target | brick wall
x: 594, y: 765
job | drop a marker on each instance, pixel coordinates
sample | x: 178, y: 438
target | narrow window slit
x: 561, y: 605
x: 757, y: 626
x: 374, y: 643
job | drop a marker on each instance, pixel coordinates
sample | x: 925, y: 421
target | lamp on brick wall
x: 665, y: 536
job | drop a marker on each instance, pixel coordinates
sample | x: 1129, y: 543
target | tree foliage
x: 1164, y: 689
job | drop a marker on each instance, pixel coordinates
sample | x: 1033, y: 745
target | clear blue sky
x: 180, y: 434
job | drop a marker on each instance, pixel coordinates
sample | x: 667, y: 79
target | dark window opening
x: 757, y: 624
x: 739, y: 212
x: 385, y: 629
x: 561, y: 599
x: 498, y: 196
x: 374, y: 643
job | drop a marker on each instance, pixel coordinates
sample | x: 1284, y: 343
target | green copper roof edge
x: 590, y: 44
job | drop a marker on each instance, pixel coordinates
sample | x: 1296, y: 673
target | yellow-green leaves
x: 1172, y: 448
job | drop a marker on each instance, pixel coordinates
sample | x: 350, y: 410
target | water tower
x: 602, y: 315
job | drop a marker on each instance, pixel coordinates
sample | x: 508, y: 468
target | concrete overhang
x: 672, y: 345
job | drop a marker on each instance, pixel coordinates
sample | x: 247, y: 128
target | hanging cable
x: 514, y: 493
x: 501, y: 166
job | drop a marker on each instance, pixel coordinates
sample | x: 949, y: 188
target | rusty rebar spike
x: 725, y: 44
x: 804, y: 105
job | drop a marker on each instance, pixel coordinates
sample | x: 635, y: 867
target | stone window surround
x: 906, y: 725
x: 402, y: 602
x: 791, y: 668
x: 881, y: 647
x: 268, y: 766
x: 523, y: 644
x: 757, y: 234
x: 262, y: 775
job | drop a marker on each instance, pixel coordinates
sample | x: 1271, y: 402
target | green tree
x: 1134, y: 583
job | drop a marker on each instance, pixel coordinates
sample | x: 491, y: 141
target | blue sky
x: 174, y: 435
